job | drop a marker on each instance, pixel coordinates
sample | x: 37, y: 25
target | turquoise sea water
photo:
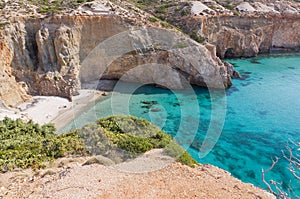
x: 255, y: 117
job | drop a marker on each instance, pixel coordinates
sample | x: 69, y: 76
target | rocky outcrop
x: 11, y: 91
x: 247, y: 35
x: 155, y: 56
x: 51, y: 56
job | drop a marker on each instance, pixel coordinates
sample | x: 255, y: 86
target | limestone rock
x: 99, y: 159
x: 200, y: 8
x: 12, y: 93
x: 248, y: 35
x: 245, y: 7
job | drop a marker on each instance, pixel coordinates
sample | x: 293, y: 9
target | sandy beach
x: 57, y: 110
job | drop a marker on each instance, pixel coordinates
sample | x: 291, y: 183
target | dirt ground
x: 151, y: 175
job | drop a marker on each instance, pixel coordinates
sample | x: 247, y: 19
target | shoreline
x: 57, y: 110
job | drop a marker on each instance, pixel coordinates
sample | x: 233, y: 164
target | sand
x: 55, y: 110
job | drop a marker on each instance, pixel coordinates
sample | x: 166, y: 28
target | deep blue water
x: 255, y: 117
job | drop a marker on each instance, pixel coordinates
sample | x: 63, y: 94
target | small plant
x: 166, y: 25
x: 181, y: 45
x: 195, y: 36
x: 4, y: 24
x: 161, y: 9
x: 185, y: 12
x: 236, y: 12
x: 153, y: 19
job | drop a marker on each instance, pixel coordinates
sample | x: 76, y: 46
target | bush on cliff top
x: 28, y: 144
x: 119, y: 138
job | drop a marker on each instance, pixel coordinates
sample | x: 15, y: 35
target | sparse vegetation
x: 176, y: 151
x: 153, y: 19
x: 181, y: 45
x: 55, y: 7
x: 185, y: 12
x: 195, y: 36
x: 166, y: 25
x: 3, y: 24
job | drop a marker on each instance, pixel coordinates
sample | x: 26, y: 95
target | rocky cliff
x: 58, y: 54
x: 55, y: 55
x: 238, y: 28
x: 249, y: 35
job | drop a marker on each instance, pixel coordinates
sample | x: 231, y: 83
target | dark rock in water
x: 150, y: 102
x: 155, y: 110
x: 263, y: 112
x: 147, y: 106
x: 254, y: 61
x: 246, y: 84
x: 291, y: 67
x: 236, y: 75
x: 146, y: 102
x: 250, y: 174
x: 176, y: 104
x: 231, y: 167
x: 231, y: 90
x: 99, y: 159
x: 230, y: 69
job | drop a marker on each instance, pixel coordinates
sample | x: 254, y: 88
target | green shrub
x: 119, y: 138
x: 166, y: 25
x: 162, y: 9
x: 185, y: 12
x: 28, y: 144
x: 195, y: 36
x: 176, y: 151
x: 235, y: 12
x: 153, y: 19
x: 187, y: 159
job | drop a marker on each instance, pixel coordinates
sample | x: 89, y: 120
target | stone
x: 99, y: 159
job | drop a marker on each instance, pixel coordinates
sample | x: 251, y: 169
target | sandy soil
x: 168, y: 180
x: 57, y: 110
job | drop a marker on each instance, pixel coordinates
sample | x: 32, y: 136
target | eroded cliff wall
x: 248, y: 35
x: 47, y: 56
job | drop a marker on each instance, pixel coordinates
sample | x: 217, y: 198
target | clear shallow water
x: 261, y: 113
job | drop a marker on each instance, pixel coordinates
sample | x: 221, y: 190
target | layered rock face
x: 238, y: 28
x: 247, y: 36
x: 11, y: 92
x: 52, y: 56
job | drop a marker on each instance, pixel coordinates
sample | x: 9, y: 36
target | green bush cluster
x: 119, y: 138
x: 28, y: 144
x: 122, y: 137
